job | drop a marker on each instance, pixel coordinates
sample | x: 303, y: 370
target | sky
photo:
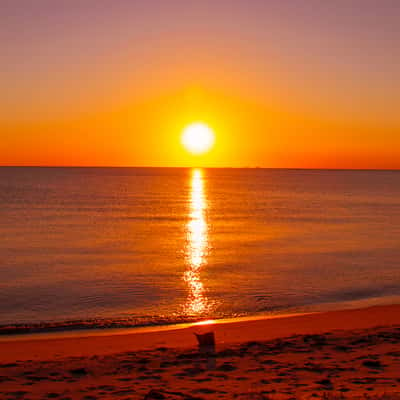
x: 287, y: 84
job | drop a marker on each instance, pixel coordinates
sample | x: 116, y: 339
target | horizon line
x: 207, y: 167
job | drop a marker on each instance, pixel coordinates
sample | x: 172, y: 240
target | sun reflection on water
x: 196, y: 246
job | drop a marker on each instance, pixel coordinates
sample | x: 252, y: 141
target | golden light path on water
x: 196, y: 246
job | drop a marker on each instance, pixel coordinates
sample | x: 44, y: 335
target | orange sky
x: 290, y: 85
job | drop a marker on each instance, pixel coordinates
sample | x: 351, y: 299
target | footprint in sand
x: 52, y: 395
x: 375, y: 364
x: 226, y: 367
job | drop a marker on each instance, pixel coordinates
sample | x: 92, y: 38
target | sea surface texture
x: 100, y: 247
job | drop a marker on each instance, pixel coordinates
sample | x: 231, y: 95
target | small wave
x: 74, y: 325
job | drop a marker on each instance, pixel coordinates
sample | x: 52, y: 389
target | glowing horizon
x: 89, y: 84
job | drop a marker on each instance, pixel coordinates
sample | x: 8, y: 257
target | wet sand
x: 351, y: 353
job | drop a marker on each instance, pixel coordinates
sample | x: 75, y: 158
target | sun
x: 198, y: 138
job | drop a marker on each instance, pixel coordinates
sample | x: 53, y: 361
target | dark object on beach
x: 207, y: 347
x: 372, y: 364
x: 206, y: 340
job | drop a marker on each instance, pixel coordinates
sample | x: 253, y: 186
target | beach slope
x: 350, y: 353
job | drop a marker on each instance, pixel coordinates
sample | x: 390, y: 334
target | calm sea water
x: 136, y: 246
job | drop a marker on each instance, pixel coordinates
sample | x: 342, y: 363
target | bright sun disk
x: 198, y: 138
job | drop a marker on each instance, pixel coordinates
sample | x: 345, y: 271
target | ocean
x: 121, y: 247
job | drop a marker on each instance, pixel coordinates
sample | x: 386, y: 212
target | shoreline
x: 116, y: 326
x: 115, y: 331
x: 78, y: 343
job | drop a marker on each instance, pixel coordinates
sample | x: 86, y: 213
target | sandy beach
x: 350, y: 353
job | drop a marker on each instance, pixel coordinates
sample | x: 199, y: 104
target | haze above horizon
x: 281, y: 84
